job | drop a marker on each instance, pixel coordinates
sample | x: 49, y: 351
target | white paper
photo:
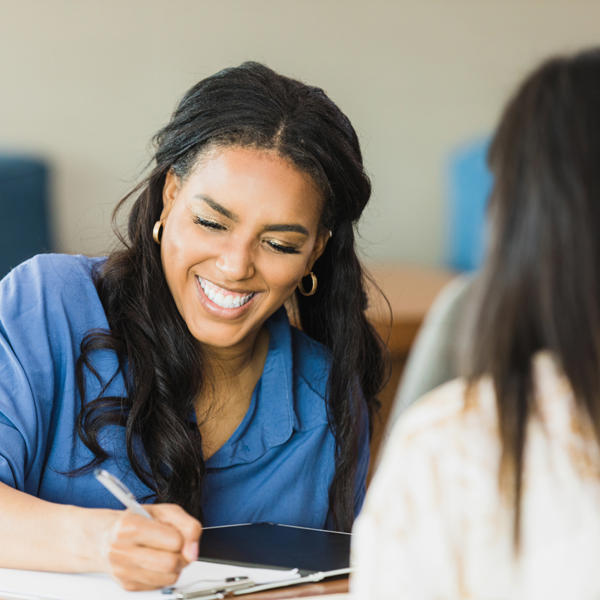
x: 95, y: 586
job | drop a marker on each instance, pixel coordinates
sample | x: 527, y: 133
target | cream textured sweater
x: 434, y: 524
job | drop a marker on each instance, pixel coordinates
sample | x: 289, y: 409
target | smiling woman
x: 172, y: 361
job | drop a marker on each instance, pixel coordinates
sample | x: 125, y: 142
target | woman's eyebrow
x: 287, y: 227
x: 218, y: 207
x: 294, y: 227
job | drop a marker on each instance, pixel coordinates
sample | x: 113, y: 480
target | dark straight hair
x: 540, y: 287
x: 249, y: 106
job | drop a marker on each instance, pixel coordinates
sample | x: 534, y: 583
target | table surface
x: 333, y: 586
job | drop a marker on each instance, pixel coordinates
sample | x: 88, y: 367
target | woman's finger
x: 136, y: 578
x: 147, y: 559
x: 189, y: 527
x: 147, y: 553
x: 135, y: 558
x: 135, y: 530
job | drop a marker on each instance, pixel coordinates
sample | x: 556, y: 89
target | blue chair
x: 469, y: 185
x: 24, y: 224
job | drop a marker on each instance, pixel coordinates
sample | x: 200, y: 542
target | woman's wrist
x: 87, y: 535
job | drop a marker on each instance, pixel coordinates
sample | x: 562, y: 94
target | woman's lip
x: 225, y: 289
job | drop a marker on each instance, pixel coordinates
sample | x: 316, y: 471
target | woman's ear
x: 170, y: 191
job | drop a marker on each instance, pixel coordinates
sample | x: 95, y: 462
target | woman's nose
x: 236, y: 261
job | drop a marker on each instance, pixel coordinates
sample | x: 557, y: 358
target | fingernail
x: 190, y: 551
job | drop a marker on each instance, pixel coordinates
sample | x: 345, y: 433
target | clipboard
x: 273, y: 545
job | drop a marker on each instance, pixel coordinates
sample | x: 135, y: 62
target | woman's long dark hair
x: 249, y: 105
x: 540, y: 287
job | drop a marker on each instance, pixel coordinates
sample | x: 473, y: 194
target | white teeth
x: 221, y: 297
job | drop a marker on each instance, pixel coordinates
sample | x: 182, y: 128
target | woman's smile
x: 235, y: 303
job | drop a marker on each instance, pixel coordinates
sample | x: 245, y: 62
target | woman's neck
x: 230, y: 381
x: 225, y: 365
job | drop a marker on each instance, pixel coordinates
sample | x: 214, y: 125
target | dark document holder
x: 273, y: 545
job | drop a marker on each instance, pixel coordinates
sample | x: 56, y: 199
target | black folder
x: 273, y: 545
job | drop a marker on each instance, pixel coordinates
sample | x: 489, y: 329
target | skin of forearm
x: 52, y: 537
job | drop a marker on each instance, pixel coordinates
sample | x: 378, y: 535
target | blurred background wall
x: 85, y: 84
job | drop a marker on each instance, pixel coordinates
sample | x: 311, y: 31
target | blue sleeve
x: 46, y: 305
x: 24, y: 363
x: 18, y: 423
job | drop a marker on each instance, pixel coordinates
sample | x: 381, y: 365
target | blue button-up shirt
x: 277, y: 465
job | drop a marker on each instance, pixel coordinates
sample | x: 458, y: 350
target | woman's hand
x: 142, y: 553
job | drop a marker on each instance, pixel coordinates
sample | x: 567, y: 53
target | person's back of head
x: 540, y: 286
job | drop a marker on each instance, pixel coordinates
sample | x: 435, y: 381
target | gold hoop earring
x: 313, y: 288
x: 157, y: 231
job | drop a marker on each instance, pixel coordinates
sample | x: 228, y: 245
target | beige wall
x: 85, y: 83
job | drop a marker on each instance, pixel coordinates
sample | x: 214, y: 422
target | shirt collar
x: 270, y: 417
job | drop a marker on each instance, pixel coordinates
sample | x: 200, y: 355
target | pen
x: 120, y: 491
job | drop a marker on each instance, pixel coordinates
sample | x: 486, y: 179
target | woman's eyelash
x: 283, y: 249
x: 208, y: 224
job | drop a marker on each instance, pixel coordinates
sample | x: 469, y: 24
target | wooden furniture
x: 332, y: 586
x: 410, y: 291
